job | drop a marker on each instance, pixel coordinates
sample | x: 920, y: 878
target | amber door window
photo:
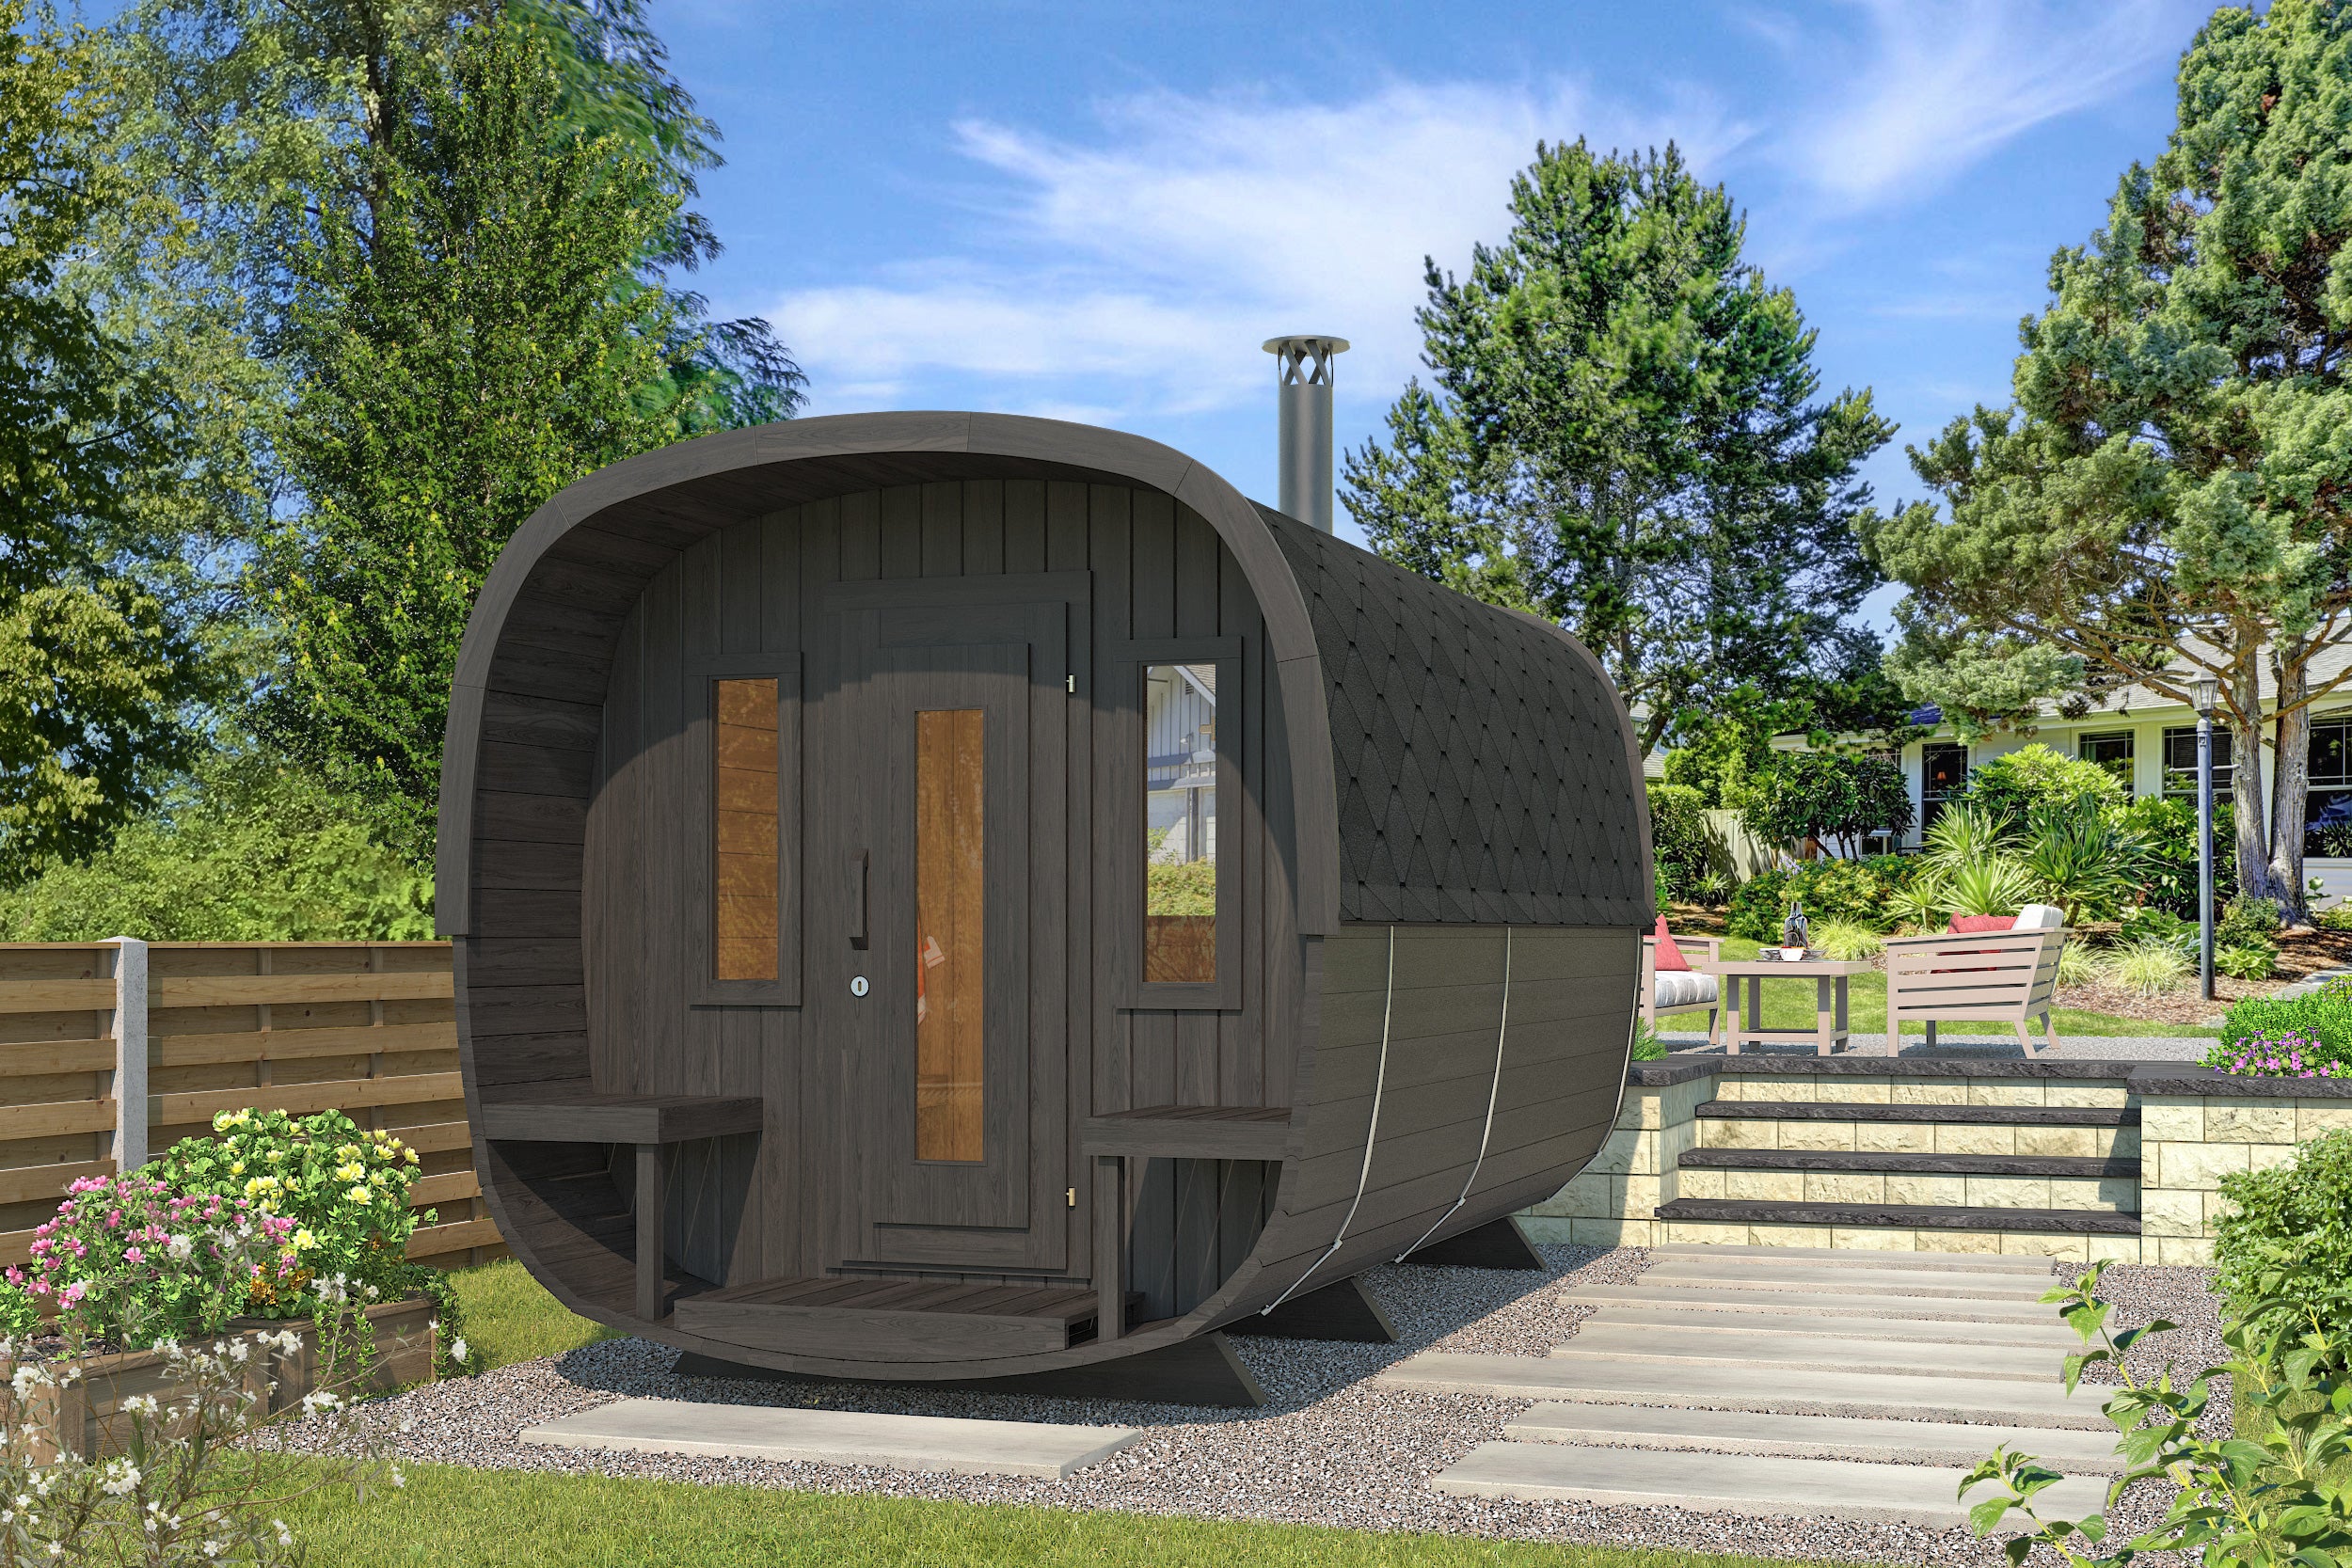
x: 950, y: 935
x: 1180, y: 819
x: 745, y: 892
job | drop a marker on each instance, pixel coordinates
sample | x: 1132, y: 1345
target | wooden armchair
x: 1681, y: 990
x: 2000, y: 976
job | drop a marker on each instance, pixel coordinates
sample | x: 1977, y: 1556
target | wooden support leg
x: 649, y: 1241
x: 1110, y: 1247
x: 2024, y: 1041
x: 2050, y: 1031
x: 1823, y: 1040
x: 1845, y: 1014
x: 1930, y: 1033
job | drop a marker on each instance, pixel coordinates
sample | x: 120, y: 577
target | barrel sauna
x: 954, y: 897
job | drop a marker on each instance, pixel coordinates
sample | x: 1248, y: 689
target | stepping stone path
x: 938, y: 1442
x: 1793, y: 1381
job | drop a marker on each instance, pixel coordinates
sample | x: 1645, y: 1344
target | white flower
x: 285, y: 1536
x: 320, y: 1399
x: 179, y: 1247
x: 398, y: 1479
x: 121, y: 1477
x: 459, y: 1350
x: 24, y: 1380
x: 140, y: 1404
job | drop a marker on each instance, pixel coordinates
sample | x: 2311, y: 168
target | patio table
x: 1829, y: 979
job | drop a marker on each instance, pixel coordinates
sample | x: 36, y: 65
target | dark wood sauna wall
x: 1159, y: 571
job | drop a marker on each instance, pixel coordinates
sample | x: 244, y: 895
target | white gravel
x: 1330, y: 1447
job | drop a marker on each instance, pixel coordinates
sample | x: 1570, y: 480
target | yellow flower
x: 351, y: 1172
x: 349, y: 1152
x: 304, y: 1240
x: 412, y: 1155
x: 358, y: 1195
x: 236, y: 1167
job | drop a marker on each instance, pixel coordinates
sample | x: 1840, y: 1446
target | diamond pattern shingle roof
x: 1485, y: 776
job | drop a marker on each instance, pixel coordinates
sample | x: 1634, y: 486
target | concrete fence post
x: 130, y: 1031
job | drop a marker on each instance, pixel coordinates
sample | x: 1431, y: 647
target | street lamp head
x: 2208, y: 695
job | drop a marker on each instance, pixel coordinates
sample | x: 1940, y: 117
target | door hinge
x: 1070, y: 684
x: 1072, y: 1194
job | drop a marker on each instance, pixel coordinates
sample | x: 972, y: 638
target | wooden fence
x: 92, y: 1032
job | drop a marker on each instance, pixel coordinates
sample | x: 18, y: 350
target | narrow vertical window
x: 744, y: 828
x: 1180, y: 823
x: 949, y: 938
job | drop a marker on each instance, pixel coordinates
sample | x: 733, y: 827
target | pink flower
x: 132, y: 1255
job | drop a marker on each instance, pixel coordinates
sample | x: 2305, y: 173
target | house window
x: 1942, y: 777
x: 1180, y: 876
x: 2180, y: 762
x: 2328, y: 818
x: 2110, y: 751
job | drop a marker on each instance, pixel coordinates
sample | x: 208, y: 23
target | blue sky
x: 1097, y: 212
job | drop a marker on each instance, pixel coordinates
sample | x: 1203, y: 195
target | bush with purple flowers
x: 2289, y: 1055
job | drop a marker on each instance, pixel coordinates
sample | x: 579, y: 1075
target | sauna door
x: 944, y: 956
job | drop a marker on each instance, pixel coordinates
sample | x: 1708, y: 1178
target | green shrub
x: 2248, y: 921
x: 2017, y: 784
x: 2253, y: 961
x: 2154, y: 925
x: 2324, y: 1015
x: 1678, y: 841
x: 19, y: 1315
x: 2082, y: 860
x: 2167, y: 830
x: 1845, y: 940
x: 2336, y: 919
x: 1827, y: 796
x: 2284, y: 1248
x: 2077, y: 964
x: 1861, y: 892
x: 2148, y: 967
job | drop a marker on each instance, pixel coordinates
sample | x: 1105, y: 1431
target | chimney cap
x: 1329, y: 343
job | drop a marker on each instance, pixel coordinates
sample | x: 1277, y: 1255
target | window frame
x: 1131, y: 665
x: 2127, y: 776
x: 702, y: 676
x: 2224, y: 772
x: 1933, y: 802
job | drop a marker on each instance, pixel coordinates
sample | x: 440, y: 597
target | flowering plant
x: 2292, y: 1054
x: 127, y: 1260
x: 343, y: 1193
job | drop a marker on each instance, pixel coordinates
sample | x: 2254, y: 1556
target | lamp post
x: 2208, y: 693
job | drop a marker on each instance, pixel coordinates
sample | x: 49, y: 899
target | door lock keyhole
x: 858, y: 986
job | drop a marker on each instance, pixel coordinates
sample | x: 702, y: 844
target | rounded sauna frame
x: 1440, y: 852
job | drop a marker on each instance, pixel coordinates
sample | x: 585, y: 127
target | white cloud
x: 1139, y: 270
x: 1935, y: 85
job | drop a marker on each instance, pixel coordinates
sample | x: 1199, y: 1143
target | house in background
x: 2149, y: 742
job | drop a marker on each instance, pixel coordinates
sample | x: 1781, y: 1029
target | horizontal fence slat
x: 333, y: 1094
x: 288, y: 1045
x: 55, y: 996
x: 37, y: 1058
x: 219, y: 990
x: 52, y: 1119
x: 435, y: 1137
x: 435, y: 1239
x: 24, y: 1183
x: 449, y: 1187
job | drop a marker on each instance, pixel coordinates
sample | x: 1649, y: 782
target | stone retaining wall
x: 2196, y: 1127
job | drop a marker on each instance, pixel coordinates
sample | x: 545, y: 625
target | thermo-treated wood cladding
x: 1174, y: 911
x: 364, y: 1028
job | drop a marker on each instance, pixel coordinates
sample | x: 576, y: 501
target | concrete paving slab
x: 1963, y: 1262
x: 1923, y: 1494
x: 1811, y: 1352
x: 1814, y: 1279
x: 1730, y: 1299
x: 2055, y: 1338
x: 935, y: 1443
x: 1633, y: 1426
x: 1715, y: 1386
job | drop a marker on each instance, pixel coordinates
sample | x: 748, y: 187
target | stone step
x: 1930, y: 1308
x: 1808, y: 1352
x: 920, y: 1443
x: 1741, y: 1182
x: 2055, y: 1338
x: 1889, y: 1278
x: 1902, y: 1216
x: 1920, y: 1495
x: 1971, y: 1115
x: 1633, y: 1426
x: 1712, y: 1385
x: 1837, y: 1258
x: 1885, y: 1162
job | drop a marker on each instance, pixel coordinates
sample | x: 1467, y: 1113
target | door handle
x: 857, y: 897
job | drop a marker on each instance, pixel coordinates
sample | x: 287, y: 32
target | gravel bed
x: 2097, y: 1048
x: 1330, y: 1447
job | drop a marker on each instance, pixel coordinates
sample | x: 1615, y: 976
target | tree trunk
x: 2289, y: 791
x: 2244, y: 716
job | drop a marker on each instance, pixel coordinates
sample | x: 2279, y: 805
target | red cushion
x: 1669, y: 956
x: 1968, y: 924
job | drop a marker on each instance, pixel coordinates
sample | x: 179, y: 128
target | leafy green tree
x: 458, y: 353
x: 2170, y: 494
x: 2015, y: 784
x: 1624, y: 437
x: 246, y: 850
x: 1826, y: 796
x: 94, y: 677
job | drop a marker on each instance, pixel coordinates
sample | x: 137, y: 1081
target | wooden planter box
x: 90, y: 1413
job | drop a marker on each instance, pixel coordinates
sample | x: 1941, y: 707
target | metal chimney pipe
x: 1302, y: 390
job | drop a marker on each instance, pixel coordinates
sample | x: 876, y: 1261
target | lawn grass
x: 450, y: 1516
x: 510, y: 1317
x: 1790, y: 1006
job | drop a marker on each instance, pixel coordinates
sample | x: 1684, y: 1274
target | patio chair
x: 1680, y: 991
x: 2000, y: 976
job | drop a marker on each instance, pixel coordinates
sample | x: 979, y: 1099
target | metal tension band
x: 1372, y: 1135
x: 1494, y: 1090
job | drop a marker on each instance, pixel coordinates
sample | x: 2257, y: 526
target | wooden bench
x: 648, y: 1121
x: 921, y: 1319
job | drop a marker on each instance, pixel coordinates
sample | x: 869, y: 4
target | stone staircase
x: 1776, y: 1380
x: 2030, y: 1158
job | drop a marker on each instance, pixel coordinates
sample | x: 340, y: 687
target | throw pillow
x: 1969, y: 924
x: 1669, y: 956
